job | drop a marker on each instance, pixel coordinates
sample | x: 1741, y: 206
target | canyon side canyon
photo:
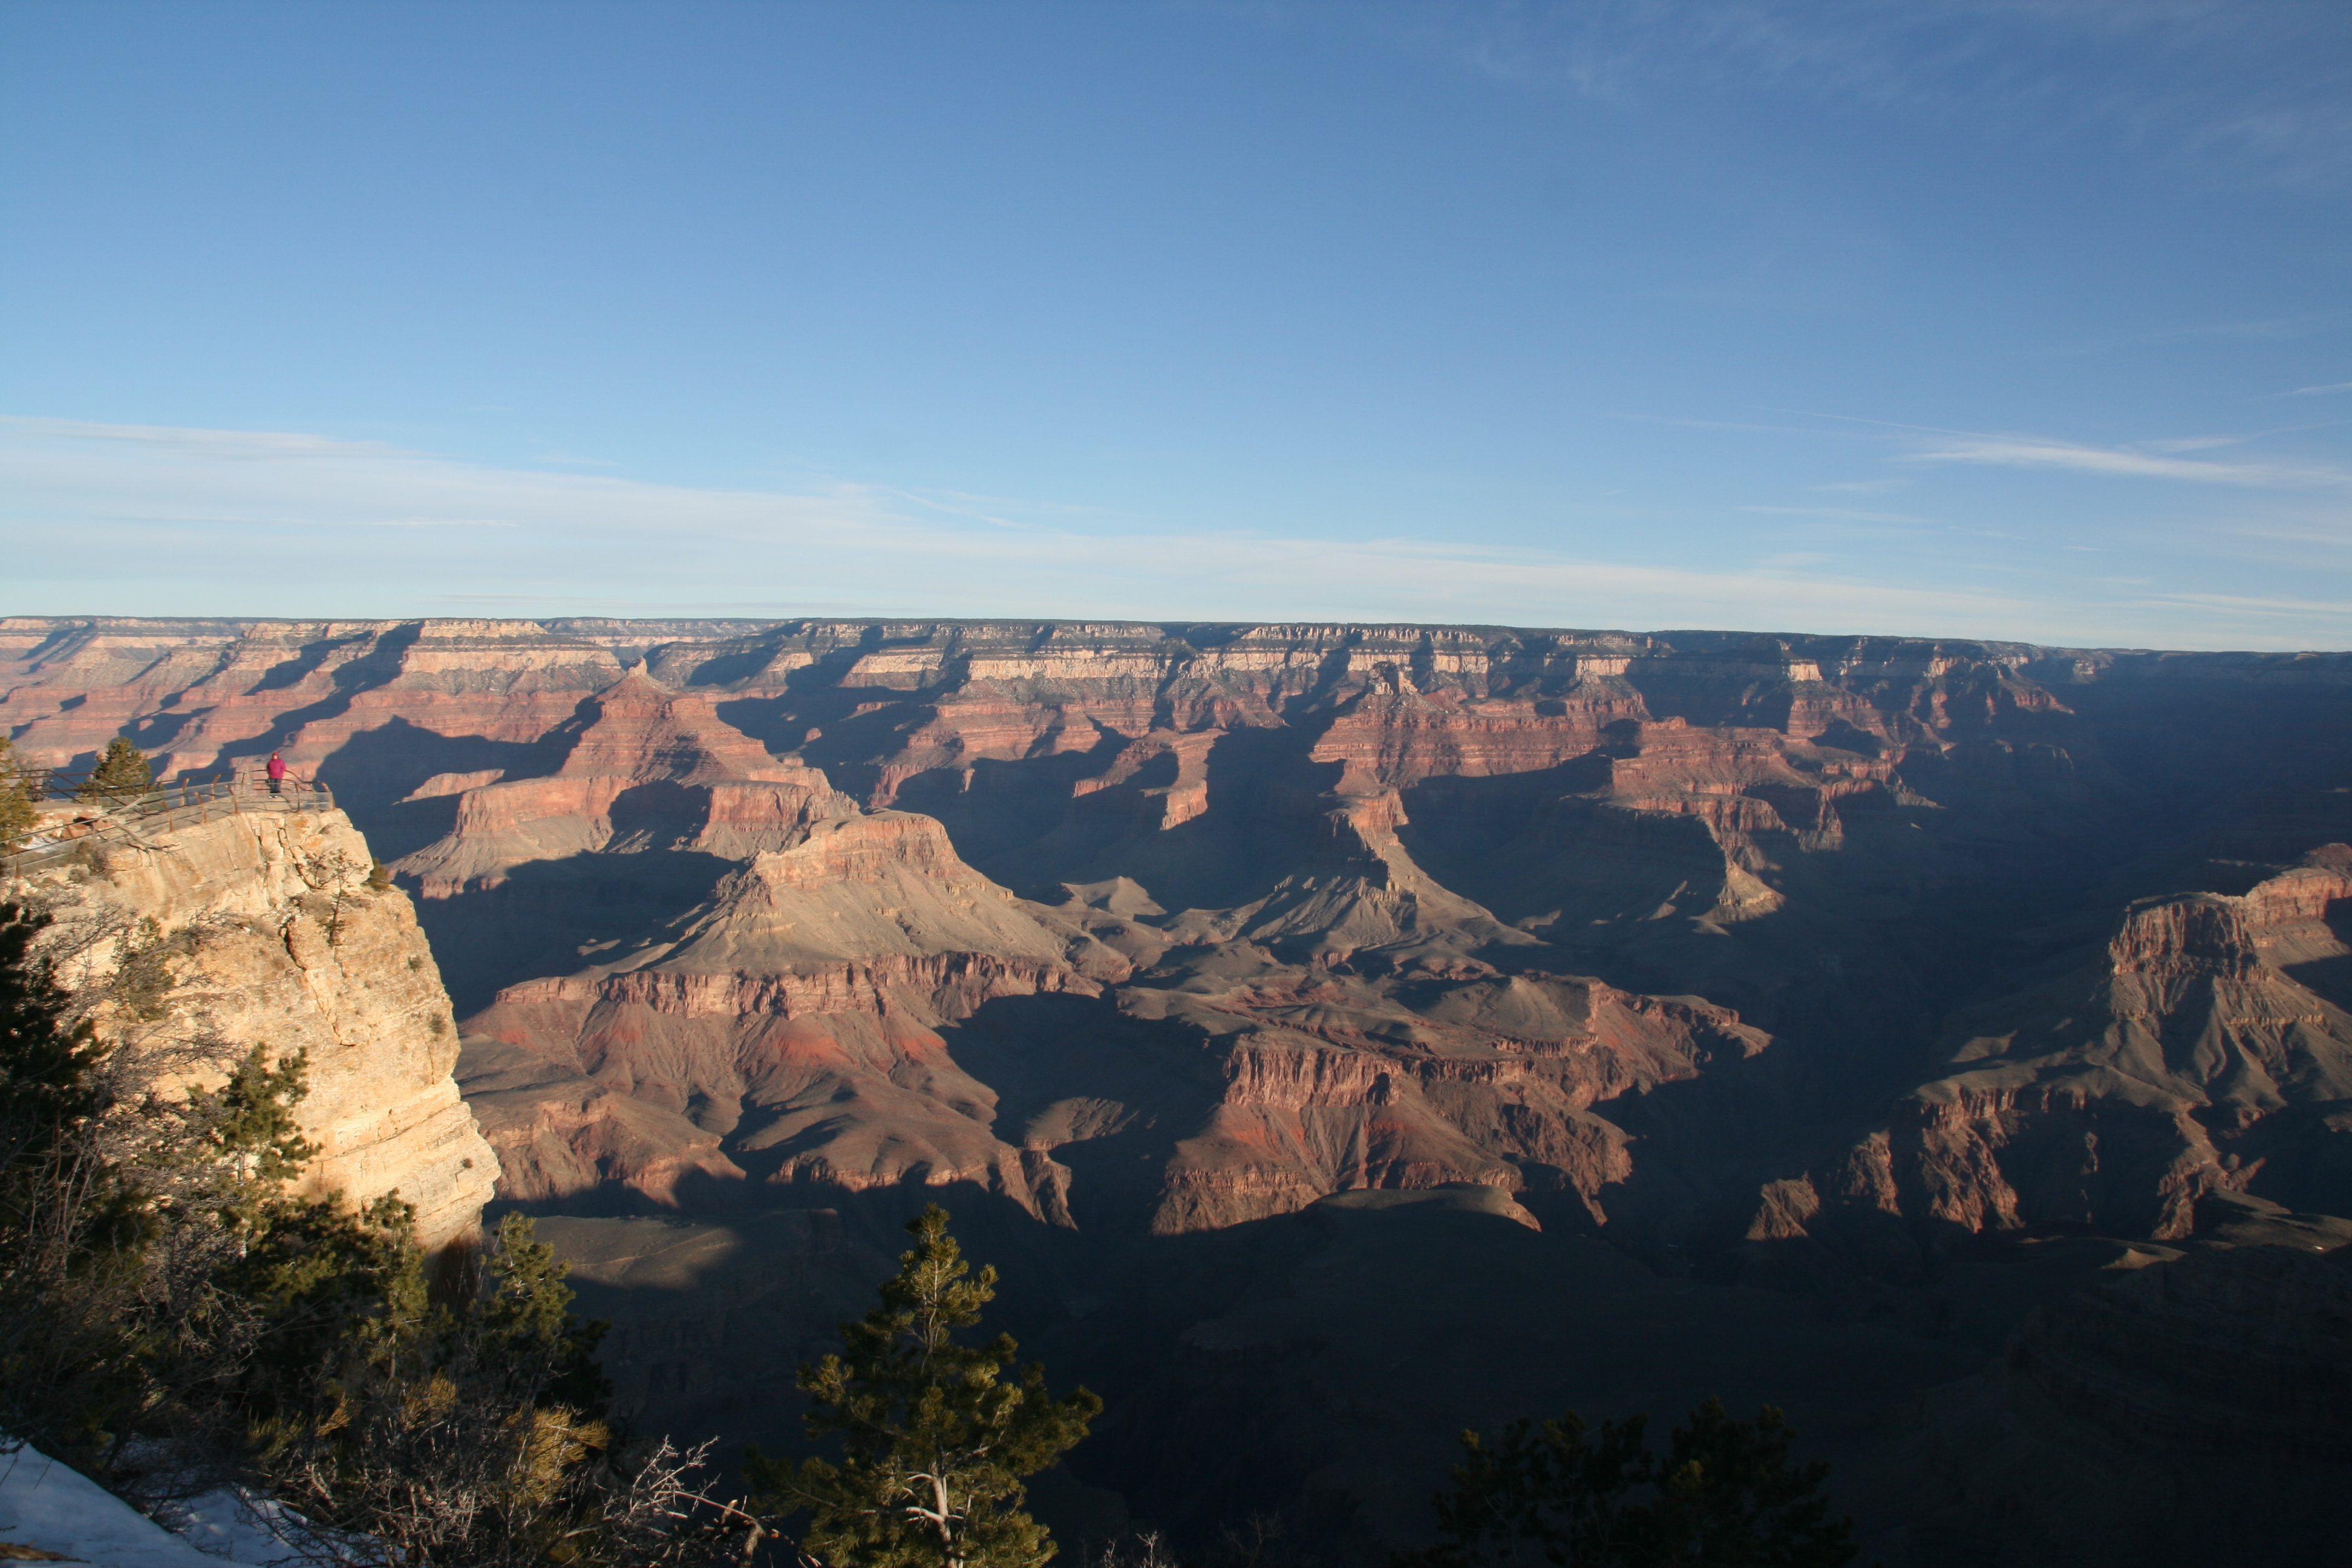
x: 1342, y: 1034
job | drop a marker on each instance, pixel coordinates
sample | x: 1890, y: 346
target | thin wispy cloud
x: 309, y: 525
x: 2263, y: 605
x: 1001, y: 512
x: 2024, y: 452
x: 2338, y: 536
x: 258, y: 444
x: 2192, y: 443
x: 1844, y: 514
x: 2321, y: 391
x: 2154, y: 458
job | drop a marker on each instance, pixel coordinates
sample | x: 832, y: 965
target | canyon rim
x: 1340, y: 1034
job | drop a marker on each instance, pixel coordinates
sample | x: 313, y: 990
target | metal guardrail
x: 130, y: 819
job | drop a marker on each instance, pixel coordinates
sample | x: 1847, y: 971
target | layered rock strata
x: 798, y: 1027
x: 2192, y: 1056
x: 695, y: 782
x: 796, y: 1018
x: 1830, y: 843
x: 260, y: 927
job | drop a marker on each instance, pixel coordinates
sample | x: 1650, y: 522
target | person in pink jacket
x: 277, y: 772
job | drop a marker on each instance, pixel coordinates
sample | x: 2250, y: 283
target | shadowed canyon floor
x: 1344, y: 1033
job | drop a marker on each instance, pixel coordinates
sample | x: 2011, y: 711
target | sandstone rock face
x: 1332, y: 1083
x: 206, y: 694
x: 667, y: 751
x: 275, y: 939
x: 787, y: 1031
x: 796, y: 1018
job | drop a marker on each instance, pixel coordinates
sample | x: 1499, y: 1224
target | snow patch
x: 55, y: 1510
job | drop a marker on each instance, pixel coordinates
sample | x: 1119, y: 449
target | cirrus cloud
x: 149, y: 521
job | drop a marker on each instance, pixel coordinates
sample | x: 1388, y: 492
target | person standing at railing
x: 277, y: 772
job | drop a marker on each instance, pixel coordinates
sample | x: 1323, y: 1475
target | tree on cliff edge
x: 121, y: 1201
x: 174, y: 1315
x: 935, y: 1438
x: 16, y: 811
x: 122, y: 773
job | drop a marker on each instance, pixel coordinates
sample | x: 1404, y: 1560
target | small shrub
x: 143, y: 972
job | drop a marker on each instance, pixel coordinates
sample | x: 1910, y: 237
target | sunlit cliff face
x: 272, y: 934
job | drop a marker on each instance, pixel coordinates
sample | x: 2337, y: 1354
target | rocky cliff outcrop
x: 652, y: 768
x: 1427, y: 1076
x: 797, y: 1029
x: 259, y: 927
x: 796, y: 1018
x: 2193, y: 1055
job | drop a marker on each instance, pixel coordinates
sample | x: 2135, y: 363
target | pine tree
x: 174, y: 1313
x: 70, y: 1231
x: 1725, y: 1494
x: 44, y: 1062
x: 114, y: 1202
x: 17, y: 810
x: 935, y: 1437
x: 459, y: 1433
x: 122, y: 773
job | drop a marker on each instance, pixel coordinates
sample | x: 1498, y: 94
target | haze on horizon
x: 2023, y: 320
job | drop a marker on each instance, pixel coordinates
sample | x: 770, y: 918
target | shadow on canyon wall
x: 1342, y: 1035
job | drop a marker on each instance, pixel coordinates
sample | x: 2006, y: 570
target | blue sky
x: 2025, y: 321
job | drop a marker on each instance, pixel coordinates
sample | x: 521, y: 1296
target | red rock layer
x: 797, y: 1016
x: 202, y: 695
x: 725, y: 794
x: 2117, y: 1098
x: 1331, y: 1083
